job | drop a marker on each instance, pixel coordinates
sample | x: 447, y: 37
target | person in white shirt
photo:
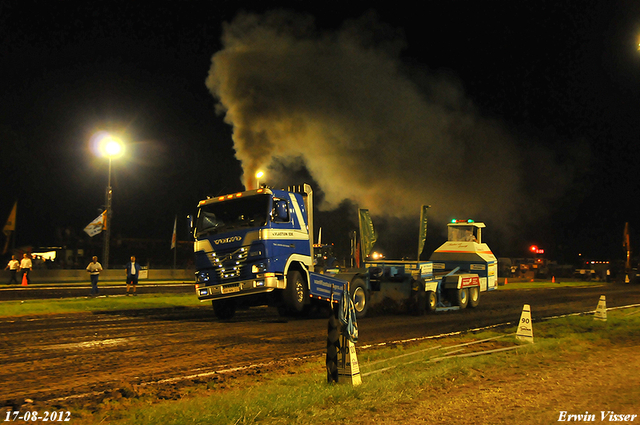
x: 25, y: 266
x: 13, y: 267
x: 94, y: 268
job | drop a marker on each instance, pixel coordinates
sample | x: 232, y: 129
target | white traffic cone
x: 601, y: 310
x: 525, y: 326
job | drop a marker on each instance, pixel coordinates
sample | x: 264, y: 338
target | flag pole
x: 174, y: 242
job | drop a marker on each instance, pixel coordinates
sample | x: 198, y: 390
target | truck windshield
x: 462, y: 234
x: 233, y: 214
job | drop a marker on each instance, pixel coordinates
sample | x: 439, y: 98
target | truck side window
x: 280, y: 213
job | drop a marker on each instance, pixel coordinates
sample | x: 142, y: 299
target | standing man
x: 26, y: 265
x: 133, y: 271
x: 94, y: 268
x: 13, y: 267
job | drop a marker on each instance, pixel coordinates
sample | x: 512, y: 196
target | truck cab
x: 246, y: 244
x: 256, y: 248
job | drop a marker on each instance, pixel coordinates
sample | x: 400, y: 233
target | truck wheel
x: 360, y: 297
x: 460, y: 297
x: 432, y: 301
x: 474, y: 297
x: 295, y: 292
x: 224, y: 309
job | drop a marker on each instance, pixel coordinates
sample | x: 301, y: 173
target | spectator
x: 94, y: 268
x: 26, y: 265
x: 13, y: 267
x: 133, y: 271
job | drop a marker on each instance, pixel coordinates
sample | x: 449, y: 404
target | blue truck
x: 256, y: 247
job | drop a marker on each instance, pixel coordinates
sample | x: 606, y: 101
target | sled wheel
x: 432, y: 301
x: 474, y: 296
x: 462, y: 297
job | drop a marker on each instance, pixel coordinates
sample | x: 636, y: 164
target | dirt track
x: 46, y: 358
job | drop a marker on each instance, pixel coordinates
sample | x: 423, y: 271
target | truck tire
x: 224, y: 309
x: 296, y: 292
x: 432, y: 301
x: 460, y: 297
x: 359, y: 296
x: 474, y: 296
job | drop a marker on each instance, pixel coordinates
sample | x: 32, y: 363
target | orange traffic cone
x: 553, y: 279
x: 505, y: 280
x: 24, y: 279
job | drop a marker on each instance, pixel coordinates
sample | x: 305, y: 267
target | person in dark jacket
x: 133, y: 271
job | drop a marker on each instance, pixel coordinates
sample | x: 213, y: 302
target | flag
x: 368, y: 234
x: 423, y: 229
x: 97, y: 225
x: 173, y: 238
x: 10, y: 226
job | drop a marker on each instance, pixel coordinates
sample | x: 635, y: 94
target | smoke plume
x: 342, y: 103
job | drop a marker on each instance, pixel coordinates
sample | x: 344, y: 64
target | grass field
x: 89, y: 304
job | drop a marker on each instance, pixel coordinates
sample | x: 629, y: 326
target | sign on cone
x: 24, y: 279
x: 525, y: 326
x: 601, y: 310
x: 348, y: 368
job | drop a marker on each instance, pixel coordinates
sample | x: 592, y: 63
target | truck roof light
x: 260, y: 190
x: 239, y: 194
x: 221, y: 198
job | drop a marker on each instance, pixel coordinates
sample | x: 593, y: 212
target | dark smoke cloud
x: 341, y: 102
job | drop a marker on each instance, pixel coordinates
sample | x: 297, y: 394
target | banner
x: 97, y: 225
x: 10, y: 226
x: 173, y: 237
x: 423, y: 229
x: 368, y: 234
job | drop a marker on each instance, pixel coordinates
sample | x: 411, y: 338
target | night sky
x: 561, y: 79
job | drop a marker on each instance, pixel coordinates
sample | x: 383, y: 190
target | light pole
x: 110, y: 147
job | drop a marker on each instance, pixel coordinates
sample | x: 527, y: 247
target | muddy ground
x: 62, y: 360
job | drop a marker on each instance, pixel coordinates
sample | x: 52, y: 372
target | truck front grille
x: 229, y: 266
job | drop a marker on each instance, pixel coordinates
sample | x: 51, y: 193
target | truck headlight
x: 202, y: 277
x: 258, y: 268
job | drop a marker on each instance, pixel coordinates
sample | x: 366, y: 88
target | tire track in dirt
x: 47, y: 357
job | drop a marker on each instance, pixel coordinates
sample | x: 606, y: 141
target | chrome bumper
x: 238, y: 289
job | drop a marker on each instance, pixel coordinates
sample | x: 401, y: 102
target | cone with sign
x: 601, y: 310
x: 348, y: 368
x: 24, y: 279
x: 525, y: 326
